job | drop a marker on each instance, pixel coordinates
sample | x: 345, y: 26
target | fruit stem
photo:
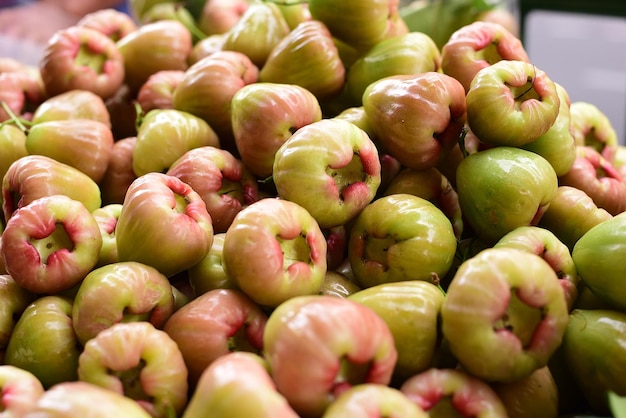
x: 13, y: 118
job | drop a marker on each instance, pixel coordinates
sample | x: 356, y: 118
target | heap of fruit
x: 278, y: 209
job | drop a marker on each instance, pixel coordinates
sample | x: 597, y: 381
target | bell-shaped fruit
x: 502, y: 188
x: 534, y: 396
x: 13, y: 144
x: 257, y: 32
x: 20, y: 391
x: 591, y: 127
x: 209, y: 273
x: 504, y: 314
x: 594, y: 254
x: 306, y: 57
x: 158, y: 90
x: 73, y: 104
x: 112, y: 22
x: 164, y: 224
x: 598, y: 337
x: 165, y: 135
x: 120, y: 173
x: 13, y: 300
x: 264, y: 116
x: 416, y: 117
x: 85, y: 144
x: 400, y: 237
x: 331, y: 168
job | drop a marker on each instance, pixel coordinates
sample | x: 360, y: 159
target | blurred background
x: 580, y: 44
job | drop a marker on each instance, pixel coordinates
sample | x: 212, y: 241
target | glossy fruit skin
x: 400, y: 237
x: 275, y: 250
x: 151, y: 202
x: 594, y: 255
x: 370, y: 399
x: 14, y: 300
x: 43, y: 341
x: 331, y: 168
x: 597, y: 336
x: 121, y: 292
x: 502, y: 188
x: 82, y: 58
x: 73, y: 104
x: 411, y: 309
x: 591, y: 127
x: 231, y: 378
x: 330, y: 339
x: 220, y: 321
x: 20, y: 390
x: 417, y: 118
x: 536, y: 395
x: 504, y: 314
x: 520, y: 96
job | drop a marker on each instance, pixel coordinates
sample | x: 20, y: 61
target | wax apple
x: 165, y: 135
x: 232, y: 378
x: 158, y: 90
x: 557, y: 145
x: 592, y: 254
x: 338, y: 284
x: 51, y: 244
x: 222, y: 181
x: 139, y: 361
x: 520, y: 96
x: 373, y: 400
x: 112, y: 22
x: 416, y: 117
x: 361, y: 24
x: 76, y: 399
x: 504, y: 314
x: 219, y: 16
x: 43, y: 341
x: 121, y: 292
x: 119, y: 174
x: 432, y: 185
x: 34, y: 176
x: 478, y: 45
x: 598, y: 336
x: 400, y: 237
x: 502, y: 188
x: 205, y: 47
x: 264, y: 116
x: 336, y: 343
x: 220, y: 321
x: 450, y: 392
x: 209, y: 273
x: 82, y: 58
x: 154, y: 46
x: 534, y: 396
x: 411, y: 310
x: 162, y: 209
x: 72, y: 104
x: 598, y: 178
x: 309, y: 58
x: 107, y: 217
x: 410, y: 53
x: 331, y: 168
x: 208, y: 87
x: 14, y: 300
x: 591, y: 127
x: 13, y: 144
x: 545, y: 244
x: 20, y: 390
x: 275, y: 250
x: 257, y: 32
x: 84, y: 144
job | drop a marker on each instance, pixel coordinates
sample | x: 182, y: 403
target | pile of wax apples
x: 305, y: 210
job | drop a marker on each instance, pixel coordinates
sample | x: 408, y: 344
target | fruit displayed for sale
x: 152, y: 201
x: 411, y: 309
x: 139, y: 361
x: 51, y: 244
x: 417, y: 118
x: 597, y: 336
x: 237, y: 384
x: 121, y: 292
x: 330, y: 168
x: 82, y: 58
x: 503, y: 188
x: 306, y: 209
x: 504, y: 314
x: 327, y: 344
x: 593, y: 255
x: 275, y: 250
x: 450, y: 392
x: 400, y: 237
x: 220, y: 321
